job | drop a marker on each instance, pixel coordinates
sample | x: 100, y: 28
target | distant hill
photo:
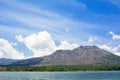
x: 27, y: 62
x: 4, y: 61
x: 78, y: 56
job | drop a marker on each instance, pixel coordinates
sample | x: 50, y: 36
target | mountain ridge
x: 6, y: 61
x: 77, y: 56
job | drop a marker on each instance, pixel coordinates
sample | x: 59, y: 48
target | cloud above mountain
x: 92, y: 39
x: 114, y: 36
x: 111, y: 49
x: 109, y: 46
x: 66, y: 45
x: 43, y: 26
x: 42, y: 44
x: 8, y: 51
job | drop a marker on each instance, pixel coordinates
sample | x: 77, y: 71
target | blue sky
x: 33, y: 28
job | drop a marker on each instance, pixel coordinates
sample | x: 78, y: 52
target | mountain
x: 81, y: 55
x: 78, y: 56
x: 4, y: 61
x: 27, y: 62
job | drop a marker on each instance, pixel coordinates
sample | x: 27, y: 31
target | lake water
x: 112, y: 75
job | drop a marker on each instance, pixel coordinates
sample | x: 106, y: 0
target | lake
x: 88, y: 75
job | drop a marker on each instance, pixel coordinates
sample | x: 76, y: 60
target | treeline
x: 97, y: 67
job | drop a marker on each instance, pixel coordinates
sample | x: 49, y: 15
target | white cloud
x: 66, y: 45
x: 105, y: 47
x: 19, y: 38
x: 37, y: 19
x: 42, y: 44
x: 7, y: 50
x: 110, y: 49
x: 1, y: 54
x: 92, y: 39
x: 114, y: 36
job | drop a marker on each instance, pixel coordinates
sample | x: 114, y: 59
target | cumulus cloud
x: 8, y: 51
x: 92, y: 39
x: 114, y: 36
x: 114, y: 50
x: 66, y: 45
x: 42, y: 44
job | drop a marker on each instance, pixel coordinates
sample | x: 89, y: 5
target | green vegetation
x: 97, y: 67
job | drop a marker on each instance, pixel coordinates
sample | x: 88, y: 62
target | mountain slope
x: 78, y: 56
x: 81, y: 55
x: 4, y: 61
x: 27, y: 62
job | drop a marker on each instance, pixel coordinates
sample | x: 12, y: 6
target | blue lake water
x: 88, y: 75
